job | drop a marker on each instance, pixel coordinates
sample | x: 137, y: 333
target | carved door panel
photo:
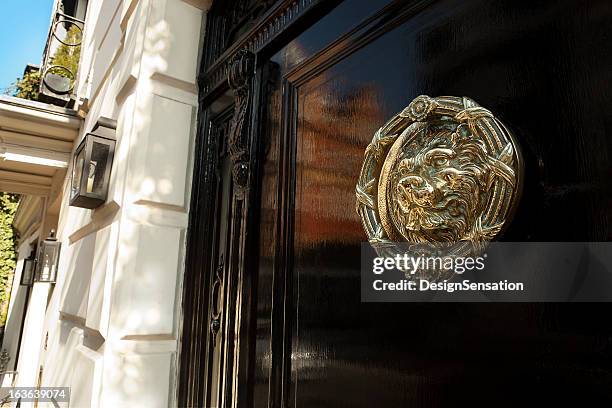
x: 220, y: 326
x: 214, y: 281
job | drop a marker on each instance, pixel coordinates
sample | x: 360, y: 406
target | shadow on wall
x: 149, y: 180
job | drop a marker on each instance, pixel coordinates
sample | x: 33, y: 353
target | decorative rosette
x: 419, y: 108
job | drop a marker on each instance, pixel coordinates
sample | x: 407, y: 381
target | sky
x: 23, y: 34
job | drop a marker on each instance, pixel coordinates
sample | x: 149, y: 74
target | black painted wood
x: 320, y: 89
x: 193, y: 369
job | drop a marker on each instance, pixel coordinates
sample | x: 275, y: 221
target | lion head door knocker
x: 443, y: 171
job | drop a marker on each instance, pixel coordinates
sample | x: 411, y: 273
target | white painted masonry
x: 109, y: 328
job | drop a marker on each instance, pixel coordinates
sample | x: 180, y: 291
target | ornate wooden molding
x: 280, y: 16
x: 240, y: 75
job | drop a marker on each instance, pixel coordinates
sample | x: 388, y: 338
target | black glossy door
x: 543, y: 67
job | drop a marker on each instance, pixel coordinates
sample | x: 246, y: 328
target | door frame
x: 237, y: 71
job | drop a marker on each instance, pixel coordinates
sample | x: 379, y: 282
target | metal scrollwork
x: 444, y: 170
x: 239, y: 78
x: 217, y: 299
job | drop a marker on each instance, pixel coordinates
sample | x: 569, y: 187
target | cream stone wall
x: 112, y: 320
x: 15, y: 314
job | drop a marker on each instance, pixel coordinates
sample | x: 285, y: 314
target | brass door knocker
x: 444, y: 170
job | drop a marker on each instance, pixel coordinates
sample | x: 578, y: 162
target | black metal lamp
x: 27, y: 272
x: 48, y: 258
x: 92, y: 166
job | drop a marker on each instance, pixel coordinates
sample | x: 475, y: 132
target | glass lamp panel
x: 27, y: 273
x: 77, y: 171
x: 97, y: 168
x: 48, y: 260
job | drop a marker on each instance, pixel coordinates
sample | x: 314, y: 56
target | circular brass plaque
x: 444, y: 170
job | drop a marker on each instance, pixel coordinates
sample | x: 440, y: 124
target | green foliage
x: 28, y: 86
x: 8, y: 206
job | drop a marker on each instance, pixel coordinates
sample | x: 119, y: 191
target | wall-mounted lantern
x: 27, y: 272
x: 92, y: 164
x: 48, y: 258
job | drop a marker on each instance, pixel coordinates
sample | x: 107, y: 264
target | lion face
x: 440, y: 187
